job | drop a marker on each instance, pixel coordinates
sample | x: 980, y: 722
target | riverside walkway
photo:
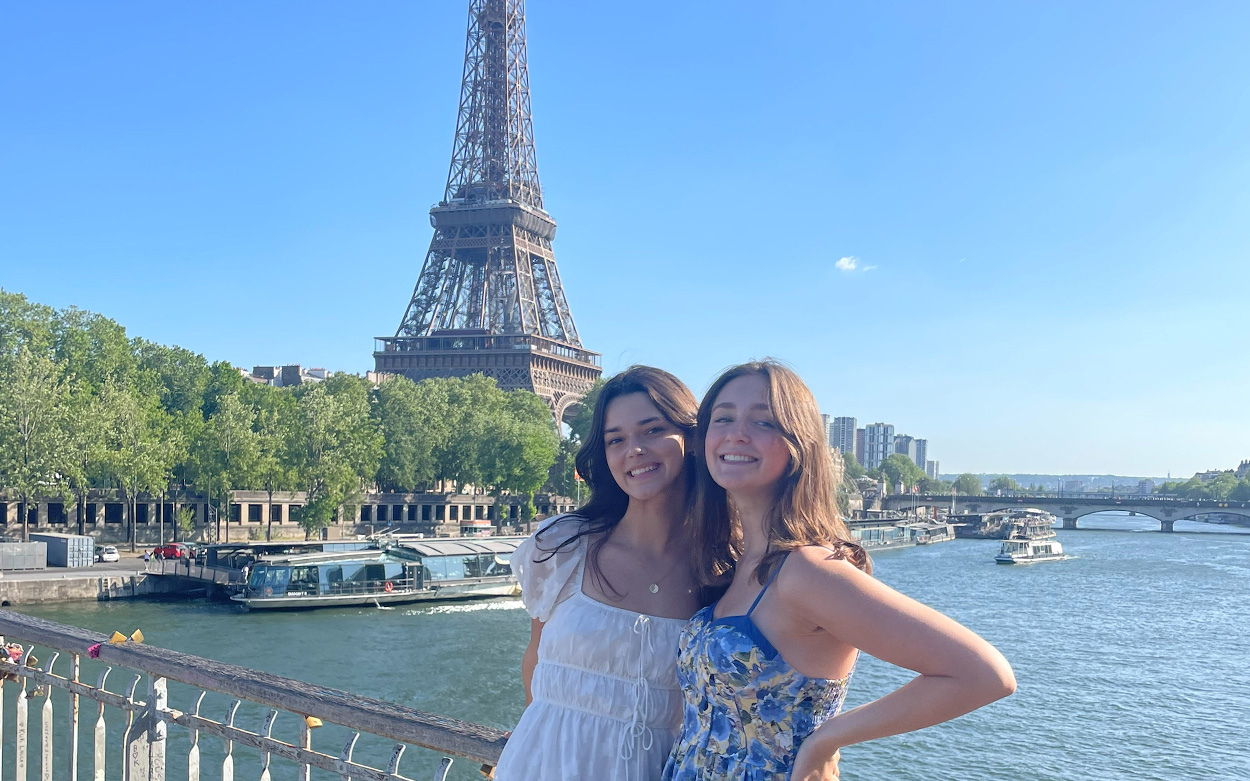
x: 158, y: 694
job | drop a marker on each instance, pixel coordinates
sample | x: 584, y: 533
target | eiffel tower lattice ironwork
x: 488, y: 299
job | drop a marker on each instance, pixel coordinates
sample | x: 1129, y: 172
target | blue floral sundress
x: 747, y: 710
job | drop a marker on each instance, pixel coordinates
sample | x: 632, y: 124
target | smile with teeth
x: 642, y: 470
x: 737, y: 458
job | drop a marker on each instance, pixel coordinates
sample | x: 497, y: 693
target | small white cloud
x: 850, y: 264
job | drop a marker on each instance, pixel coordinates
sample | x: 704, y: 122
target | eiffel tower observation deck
x: 488, y: 299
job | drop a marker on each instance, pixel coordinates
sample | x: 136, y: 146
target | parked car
x: 107, y: 553
x: 174, y: 550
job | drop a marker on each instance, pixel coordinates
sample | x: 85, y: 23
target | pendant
x: 654, y: 588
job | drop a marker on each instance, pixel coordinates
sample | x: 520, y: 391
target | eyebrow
x: 643, y: 422
x: 730, y: 404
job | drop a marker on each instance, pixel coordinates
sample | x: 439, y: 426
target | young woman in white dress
x: 609, y: 589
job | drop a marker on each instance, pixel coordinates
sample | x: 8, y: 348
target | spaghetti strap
x: 769, y: 583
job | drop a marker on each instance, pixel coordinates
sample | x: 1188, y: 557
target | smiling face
x: 745, y: 450
x: 646, y: 454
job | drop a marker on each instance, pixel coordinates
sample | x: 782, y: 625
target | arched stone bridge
x: 1166, y: 510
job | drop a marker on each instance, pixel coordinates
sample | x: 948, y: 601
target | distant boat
x: 399, y: 570
x: 1030, y: 542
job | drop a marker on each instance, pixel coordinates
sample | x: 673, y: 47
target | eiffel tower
x: 489, y: 299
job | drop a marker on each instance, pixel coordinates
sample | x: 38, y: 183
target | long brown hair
x: 806, y: 508
x: 608, y: 501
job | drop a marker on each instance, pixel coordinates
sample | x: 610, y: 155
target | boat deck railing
x: 187, y: 568
x: 150, y: 726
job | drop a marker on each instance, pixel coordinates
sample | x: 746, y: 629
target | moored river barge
x: 399, y: 570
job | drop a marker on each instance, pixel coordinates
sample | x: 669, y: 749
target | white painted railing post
x: 21, y: 722
x: 101, y: 735
x: 227, y: 763
x: 6, y: 653
x: 158, y: 704
x: 135, y: 740
x: 193, y: 753
x: 75, y: 671
x: 45, y: 753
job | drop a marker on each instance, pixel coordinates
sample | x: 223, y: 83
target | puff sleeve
x: 548, y: 578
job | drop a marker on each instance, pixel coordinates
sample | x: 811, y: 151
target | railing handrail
x: 396, y: 722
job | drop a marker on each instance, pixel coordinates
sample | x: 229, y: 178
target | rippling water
x: 1132, y: 656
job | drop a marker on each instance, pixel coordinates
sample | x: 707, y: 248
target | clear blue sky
x: 1046, y: 203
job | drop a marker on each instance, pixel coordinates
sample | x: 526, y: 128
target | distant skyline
x: 1018, y: 231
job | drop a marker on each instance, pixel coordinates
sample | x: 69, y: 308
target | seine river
x: 1133, y: 660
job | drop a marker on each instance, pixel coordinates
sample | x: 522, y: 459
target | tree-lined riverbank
x: 83, y: 406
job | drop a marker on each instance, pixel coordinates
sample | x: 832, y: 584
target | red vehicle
x: 174, y: 550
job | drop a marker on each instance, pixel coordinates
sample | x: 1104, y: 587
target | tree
x: 562, y: 479
x: 968, y: 484
x: 413, y: 419
x: 226, y: 453
x: 854, y: 470
x: 898, y: 468
x: 1004, y: 483
x: 142, y: 447
x: 931, y: 486
x: 274, y: 464
x: 1241, y: 493
x: 525, y: 445
x: 579, y: 426
x: 94, y: 349
x: 86, y: 427
x: 33, y: 442
x: 335, y: 446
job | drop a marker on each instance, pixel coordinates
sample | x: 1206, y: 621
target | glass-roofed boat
x: 397, y: 569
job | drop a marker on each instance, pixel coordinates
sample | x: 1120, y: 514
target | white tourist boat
x: 1021, y: 549
x: 399, y: 570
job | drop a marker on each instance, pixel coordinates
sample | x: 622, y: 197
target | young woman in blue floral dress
x: 765, y: 669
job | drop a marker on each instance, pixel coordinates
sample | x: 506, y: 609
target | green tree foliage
x: 141, y: 446
x: 1241, y: 492
x: 83, y: 407
x: 226, y: 454
x: 968, y: 484
x: 1223, y: 486
x: 931, y: 486
x: 33, y: 443
x: 579, y: 426
x: 413, y: 418
x: 853, y: 469
x: 335, y: 448
x: 1004, y: 483
x: 525, y: 444
x: 898, y: 468
x: 276, y: 417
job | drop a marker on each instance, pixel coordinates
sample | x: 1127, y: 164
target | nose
x: 737, y: 432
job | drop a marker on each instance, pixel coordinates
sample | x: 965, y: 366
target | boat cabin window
x: 496, y: 564
x: 304, y: 580
x: 272, y: 578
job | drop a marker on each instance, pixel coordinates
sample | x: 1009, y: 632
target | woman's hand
x: 811, y: 764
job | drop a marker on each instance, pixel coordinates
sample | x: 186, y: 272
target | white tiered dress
x: 606, y: 702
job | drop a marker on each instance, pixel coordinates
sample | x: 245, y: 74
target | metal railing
x: 130, y: 737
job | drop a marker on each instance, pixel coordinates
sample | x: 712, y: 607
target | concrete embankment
x: 28, y: 588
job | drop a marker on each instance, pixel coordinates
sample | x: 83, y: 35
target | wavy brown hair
x: 806, y: 509
x: 608, y: 501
